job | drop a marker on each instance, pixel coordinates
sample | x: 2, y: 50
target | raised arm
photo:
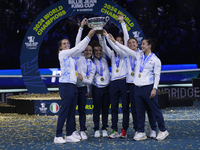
x: 100, y: 39
x: 105, y: 48
x: 129, y: 51
x: 124, y: 29
x: 105, y: 34
x: 115, y: 47
x: 80, y: 47
x: 80, y: 30
x: 78, y: 36
x: 101, y: 43
x: 111, y: 42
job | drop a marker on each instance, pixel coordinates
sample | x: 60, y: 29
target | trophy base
x: 99, y: 32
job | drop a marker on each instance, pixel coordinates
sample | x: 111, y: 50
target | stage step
x: 196, y: 103
x: 179, y: 102
x: 163, y: 99
x: 5, y: 108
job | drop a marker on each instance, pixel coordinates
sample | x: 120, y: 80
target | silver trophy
x: 97, y: 23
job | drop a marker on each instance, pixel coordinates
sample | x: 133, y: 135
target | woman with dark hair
x: 67, y: 88
x: 86, y: 71
x: 147, y: 76
x: 118, y: 87
x: 131, y: 62
x: 100, y: 91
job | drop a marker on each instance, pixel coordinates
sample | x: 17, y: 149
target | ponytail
x: 59, y: 44
x: 151, y: 42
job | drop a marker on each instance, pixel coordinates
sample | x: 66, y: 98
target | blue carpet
x: 37, y: 132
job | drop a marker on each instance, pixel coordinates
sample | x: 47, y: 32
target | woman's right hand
x: 120, y: 17
x: 104, y: 32
x: 91, y: 33
x: 83, y: 22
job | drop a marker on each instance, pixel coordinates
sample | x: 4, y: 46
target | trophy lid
x: 98, y: 19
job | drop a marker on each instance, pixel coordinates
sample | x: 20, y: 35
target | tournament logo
x: 136, y: 34
x: 31, y: 44
x: 54, y: 107
x: 43, y: 109
x: 82, y: 5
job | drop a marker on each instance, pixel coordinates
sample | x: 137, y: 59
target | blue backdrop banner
x: 53, y: 14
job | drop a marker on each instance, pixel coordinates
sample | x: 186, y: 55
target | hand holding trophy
x: 112, y: 38
x: 83, y: 22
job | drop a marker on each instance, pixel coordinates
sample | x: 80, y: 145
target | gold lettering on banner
x: 112, y: 12
x: 48, y: 19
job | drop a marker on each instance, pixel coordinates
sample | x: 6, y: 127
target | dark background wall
x: 174, y: 23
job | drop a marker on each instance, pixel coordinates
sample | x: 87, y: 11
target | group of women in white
x: 134, y: 78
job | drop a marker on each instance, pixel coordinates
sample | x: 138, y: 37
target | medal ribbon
x: 132, y: 63
x: 117, y: 60
x: 101, y: 68
x: 88, y: 69
x: 76, y: 59
x: 144, y: 62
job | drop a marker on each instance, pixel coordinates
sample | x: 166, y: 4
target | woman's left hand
x: 153, y: 93
x: 112, y: 38
x: 88, y: 95
x: 80, y: 76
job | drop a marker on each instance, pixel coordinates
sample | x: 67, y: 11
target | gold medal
x: 117, y: 70
x: 102, y: 79
x: 139, y: 75
x: 85, y: 77
x: 76, y: 73
x: 132, y: 73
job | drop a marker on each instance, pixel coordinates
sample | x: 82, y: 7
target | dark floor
x: 37, y: 132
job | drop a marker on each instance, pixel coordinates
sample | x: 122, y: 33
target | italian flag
x: 54, y: 107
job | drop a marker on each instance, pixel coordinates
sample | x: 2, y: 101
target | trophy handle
x: 107, y: 18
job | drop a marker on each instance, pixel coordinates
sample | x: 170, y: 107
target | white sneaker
x: 97, y: 134
x: 76, y: 135
x: 59, y: 140
x: 71, y: 138
x: 136, y: 132
x: 83, y: 135
x: 152, y: 134
x: 104, y: 133
x: 162, y: 135
x: 114, y: 134
x: 140, y: 136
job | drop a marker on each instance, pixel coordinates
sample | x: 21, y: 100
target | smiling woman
x: 68, y: 89
x: 147, y: 76
x: 88, y: 52
x: 86, y: 71
x: 63, y: 44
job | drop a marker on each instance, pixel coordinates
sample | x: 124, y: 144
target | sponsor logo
x: 136, y: 34
x: 54, y: 73
x: 43, y: 109
x: 54, y: 107
x: 31, y: 44
x: 82, y: 5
